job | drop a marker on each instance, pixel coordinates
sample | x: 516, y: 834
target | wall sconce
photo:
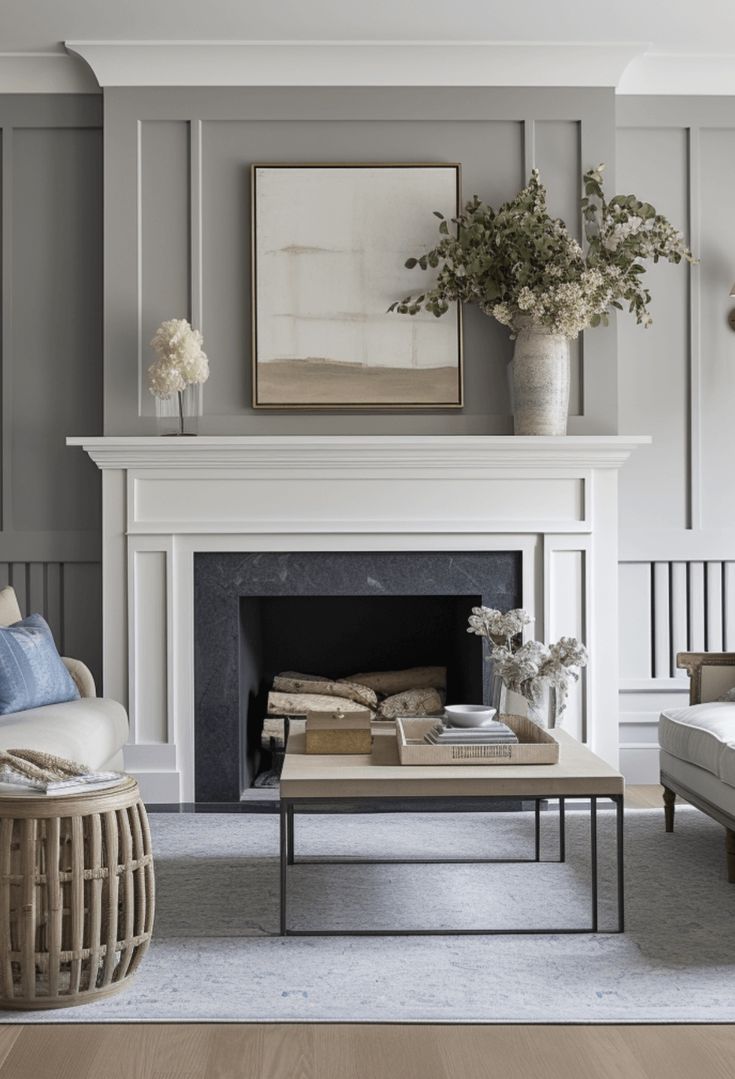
x: 731, y: 316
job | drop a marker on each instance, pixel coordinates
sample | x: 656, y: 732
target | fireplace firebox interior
x: 337, y: 636
x: 331, y: 614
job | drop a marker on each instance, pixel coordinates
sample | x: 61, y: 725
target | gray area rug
x: 213, y: 957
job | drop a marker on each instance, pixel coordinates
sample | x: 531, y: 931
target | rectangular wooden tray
x: 535, y: 745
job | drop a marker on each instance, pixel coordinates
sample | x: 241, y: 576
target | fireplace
x: 330, y: 613
x: 549, y: 504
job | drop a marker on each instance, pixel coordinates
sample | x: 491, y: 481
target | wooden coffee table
x: 379, y: 783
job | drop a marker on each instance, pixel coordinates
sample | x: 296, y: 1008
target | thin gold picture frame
x: 420, y: 406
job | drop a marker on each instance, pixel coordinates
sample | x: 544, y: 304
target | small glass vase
x: 179, y: 414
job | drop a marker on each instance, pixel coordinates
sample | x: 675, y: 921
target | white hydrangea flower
x: 180, y: 361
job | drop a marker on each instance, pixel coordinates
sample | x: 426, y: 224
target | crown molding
x: 356, y: 63
x: 45, y: 73
x: 682, y: 73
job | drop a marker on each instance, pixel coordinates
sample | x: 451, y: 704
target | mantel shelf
x: 346, y: 453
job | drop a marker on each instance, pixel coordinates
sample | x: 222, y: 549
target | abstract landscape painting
x: 329, y: 247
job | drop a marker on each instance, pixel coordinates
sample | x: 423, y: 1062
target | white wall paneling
x: 304, y: 493
x: 677, y: 381
x: 148, y: 646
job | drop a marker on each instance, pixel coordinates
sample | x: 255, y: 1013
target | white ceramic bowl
x: 469, y: 715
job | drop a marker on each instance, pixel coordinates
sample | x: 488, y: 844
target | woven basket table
x: 76, y: 895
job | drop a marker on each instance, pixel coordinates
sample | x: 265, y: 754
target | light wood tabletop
x: 579, y: 772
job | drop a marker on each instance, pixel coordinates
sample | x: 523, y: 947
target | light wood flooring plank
x: 8, y: 1037
x: 353, y: 1051
x: 646, y: 796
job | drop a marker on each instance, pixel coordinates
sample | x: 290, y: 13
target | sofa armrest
x: 82, y: 676
x: 710, y: 674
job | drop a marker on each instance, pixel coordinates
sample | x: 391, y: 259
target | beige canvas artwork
x: 329, y: 247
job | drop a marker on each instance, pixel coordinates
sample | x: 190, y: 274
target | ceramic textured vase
x: 540, y: 383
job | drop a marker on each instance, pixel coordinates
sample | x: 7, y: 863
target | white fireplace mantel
x: 165, y: 499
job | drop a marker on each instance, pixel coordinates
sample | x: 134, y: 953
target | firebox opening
x: 337, y: 636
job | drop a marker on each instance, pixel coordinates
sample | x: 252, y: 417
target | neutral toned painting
x: 329, y: 247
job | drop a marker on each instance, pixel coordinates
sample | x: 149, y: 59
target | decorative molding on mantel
x: 356, y: 63
x: 347, y: 453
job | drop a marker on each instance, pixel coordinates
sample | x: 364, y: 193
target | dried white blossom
x: 527, y: 668
x: 180, y: 360
x: 499, y: 627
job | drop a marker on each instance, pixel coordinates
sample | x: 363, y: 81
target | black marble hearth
x: 331, y: 613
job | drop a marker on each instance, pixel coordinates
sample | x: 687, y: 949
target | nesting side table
x: 77, y: 895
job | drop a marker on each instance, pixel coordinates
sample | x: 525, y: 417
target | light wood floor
x: 345, y: 1051
x: 351, y: 1051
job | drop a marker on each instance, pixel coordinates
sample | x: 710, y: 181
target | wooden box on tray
x: 338, y: 732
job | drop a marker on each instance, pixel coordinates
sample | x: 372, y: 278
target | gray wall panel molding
x: 50, y: 110
x: 199, y: 264
x: 51, y: 359
x: 677, y: 578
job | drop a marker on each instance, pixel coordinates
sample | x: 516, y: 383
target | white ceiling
x: 41, y: 25
x: 694, y: 41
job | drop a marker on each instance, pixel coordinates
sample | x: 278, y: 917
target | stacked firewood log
x: 418, y: 691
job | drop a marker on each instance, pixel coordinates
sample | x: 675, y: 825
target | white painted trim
x: 682, y: 73
x: 356, y: 63
x: 639, y: 763
x: 345, y: 453
x: 301, y: 493
x: 45, y: 73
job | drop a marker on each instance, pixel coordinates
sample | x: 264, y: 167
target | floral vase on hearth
x: 540, y: 382
x: 179, y: 414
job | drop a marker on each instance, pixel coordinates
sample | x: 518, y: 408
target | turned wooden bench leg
x: 730, y: 850
x: 669, y: 800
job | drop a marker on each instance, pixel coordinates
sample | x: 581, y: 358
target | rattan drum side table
x: 76, y: 895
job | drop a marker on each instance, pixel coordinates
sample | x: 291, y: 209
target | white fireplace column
x: 164, y: 499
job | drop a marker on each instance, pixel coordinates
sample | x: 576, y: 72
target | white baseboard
x: 639, y: 762
x: 158, y: 787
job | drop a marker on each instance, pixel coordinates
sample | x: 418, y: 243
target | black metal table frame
x: 289, y: 806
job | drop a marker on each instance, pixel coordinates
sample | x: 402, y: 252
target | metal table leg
x: 284, y: 863
x: 537, y: 815
x: 289, y: 834
x: 562, y: 832
x: 619, y: 808
x: 593, y: 859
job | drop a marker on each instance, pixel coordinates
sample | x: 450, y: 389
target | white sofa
x: 697, y: 745
x: 91, y: 730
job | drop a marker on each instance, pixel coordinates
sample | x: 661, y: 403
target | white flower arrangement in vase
x: 528, y: 668
x: 180, y: 369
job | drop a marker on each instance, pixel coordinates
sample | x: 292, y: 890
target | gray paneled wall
x: 51, y: 361
x: 177, y: 228
x: 677, y: 382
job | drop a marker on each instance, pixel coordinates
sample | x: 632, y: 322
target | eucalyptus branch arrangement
x: 525, y: 269
x: 527, y: 667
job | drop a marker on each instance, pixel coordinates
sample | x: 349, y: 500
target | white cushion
x: 90, y: 730
x: 9, y: 609
x: 702, y: 734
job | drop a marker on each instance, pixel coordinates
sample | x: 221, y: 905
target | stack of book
x: 490, y: 734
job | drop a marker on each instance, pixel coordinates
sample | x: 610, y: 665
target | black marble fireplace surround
x: 330, y: 613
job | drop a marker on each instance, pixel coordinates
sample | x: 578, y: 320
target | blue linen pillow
x: 32, y: 673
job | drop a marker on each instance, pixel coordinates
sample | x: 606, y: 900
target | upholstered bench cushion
x: 702, y: 734
x: 90, y: 730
